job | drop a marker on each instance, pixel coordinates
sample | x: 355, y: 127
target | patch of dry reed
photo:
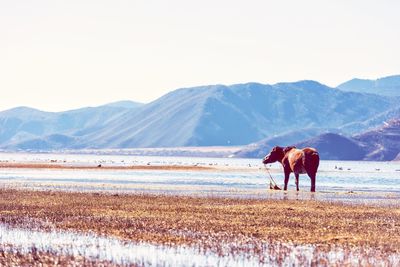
x: 207, y: 222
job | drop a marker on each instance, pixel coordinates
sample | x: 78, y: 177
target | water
x: 92, y: 246
x: 346, y: 181
x: 365, y: 182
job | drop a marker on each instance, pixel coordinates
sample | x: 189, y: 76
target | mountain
x: 24, y: 123
x: 25, y: 127
x: 260, y: 148
x: 373, y: 122
x: 49, y: 142
x: 388, y: 86
x: 235, y: 115
x: 335, y: 147
x: 380, y: 144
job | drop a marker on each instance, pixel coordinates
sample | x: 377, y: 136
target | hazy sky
x: 57, y: 55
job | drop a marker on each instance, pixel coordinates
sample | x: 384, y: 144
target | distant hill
x: 235, y: 115
x: 389, y: 86
x: 381, y: 144
x: 260, y: 148
x: 331, y: 146
x: 336, y: 147
x: 28, y: 128
x: 49, y: 142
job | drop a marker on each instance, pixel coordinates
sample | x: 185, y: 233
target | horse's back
x: 304, y: 160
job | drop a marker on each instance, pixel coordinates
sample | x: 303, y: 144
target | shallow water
x: 111, y: 249
x: 349, y: 181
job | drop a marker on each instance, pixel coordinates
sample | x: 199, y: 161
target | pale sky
x: 57, y: 55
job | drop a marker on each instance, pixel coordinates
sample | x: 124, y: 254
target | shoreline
x: 149, y: 166
x: 34, y: 165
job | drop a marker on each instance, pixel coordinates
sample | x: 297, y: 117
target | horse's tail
x: 311, y: 159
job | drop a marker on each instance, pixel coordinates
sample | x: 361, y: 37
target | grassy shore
x: 207, y: 222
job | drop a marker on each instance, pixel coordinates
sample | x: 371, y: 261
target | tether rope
x: 272, y: 183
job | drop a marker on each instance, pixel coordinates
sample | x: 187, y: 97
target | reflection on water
x: 364, y: 182
x: 111, y: 249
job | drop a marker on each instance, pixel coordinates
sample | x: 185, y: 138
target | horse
x: 298, y: 161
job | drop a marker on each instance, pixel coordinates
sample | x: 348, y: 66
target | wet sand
x: 32, y: 165
x: 87, y: 166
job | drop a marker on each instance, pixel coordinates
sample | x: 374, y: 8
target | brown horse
x: 295, y: 160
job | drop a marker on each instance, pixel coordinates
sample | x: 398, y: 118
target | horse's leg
x: 297, y: 181
x: 287, y: 174
x: 312, y: 177
x: 311, y: 165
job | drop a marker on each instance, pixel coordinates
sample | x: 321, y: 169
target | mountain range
x: 235, y: 115
x: 389, y: 86
x: 214, y: 115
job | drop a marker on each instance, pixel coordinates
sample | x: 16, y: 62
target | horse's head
x: 276, y: 154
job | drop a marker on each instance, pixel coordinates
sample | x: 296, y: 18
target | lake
x: 354, y: 181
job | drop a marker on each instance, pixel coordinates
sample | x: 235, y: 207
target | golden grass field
x: 205, y: 222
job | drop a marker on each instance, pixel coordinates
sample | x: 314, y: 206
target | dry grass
x: 206, y: 222
x: 40, y: 259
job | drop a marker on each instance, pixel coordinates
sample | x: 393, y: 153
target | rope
x: 272, y: 183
